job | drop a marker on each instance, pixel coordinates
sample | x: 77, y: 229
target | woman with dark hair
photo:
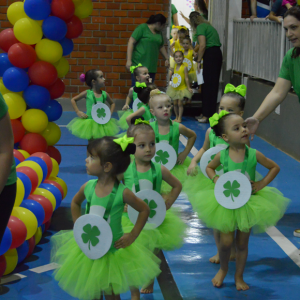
x: 145, y: 44
x: 209, y: 49
x: 288, y: 76
x: 199, y: 6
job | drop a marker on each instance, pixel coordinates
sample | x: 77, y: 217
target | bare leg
x: 216, y: 258
x: 242, y: 240
x: 148, y: 289
x: 233, y: 250
x: 176, y: 110
x: 112, y: 297
x: 226, y: 240
x: 180, y: 107
x: 135, y: 294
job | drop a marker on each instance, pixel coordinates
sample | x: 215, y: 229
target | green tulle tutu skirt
x: 264, y: 209
x: 178, y: 95
x: 115, y: 272
x: 122, y: 118
x: 89, y: 129
x: 168, y: 236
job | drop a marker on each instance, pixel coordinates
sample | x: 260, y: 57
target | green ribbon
x: 244, y: 166
x: 132, y: 68
x: 140, y: 121
x: 214, y: 120
x: 140, y: 84
x: 241, y: 89
x: 136, y: 178
x: 156, y: 131
x: 124, y: 141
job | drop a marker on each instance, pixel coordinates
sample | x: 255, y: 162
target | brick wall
x: 103, y: 43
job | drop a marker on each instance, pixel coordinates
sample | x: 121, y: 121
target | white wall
x: 186, y: 6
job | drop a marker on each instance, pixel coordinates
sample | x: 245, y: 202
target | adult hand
x: 252, y: 18
x: 128, y: 64
x: 252, y: 124
x: 167, y: 63
x: 181, y: 14
x: 82, y: 115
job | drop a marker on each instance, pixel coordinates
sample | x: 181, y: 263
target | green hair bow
x: 241, y: 89
x: 140, y: 84
x: 132, y: 68
x: 214, y: 120
x: 140, y: 121
x: 124, y: 141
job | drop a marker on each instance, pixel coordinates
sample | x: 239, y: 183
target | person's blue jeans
x: 152, y: 76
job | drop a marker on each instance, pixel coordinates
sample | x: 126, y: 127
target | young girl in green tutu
x: 233, y: 101
x: 265, y: 207
x: 160, y: 107
x: 170, y: 234
x: 84, y: 126
x: 127, y: 264
x: 141, y: 75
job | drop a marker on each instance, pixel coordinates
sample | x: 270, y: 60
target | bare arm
x: 273, y: 17
x: 191, y: 135
x: 211, y: 167
x: 186, y: 77
x: 185, y: 18
x: 138, y: 113
x: 111, y: 103
x: 6, y: 149
x: 79, y: 113
x: 164, y: 53
x: 174, y: 183
x: 253, y: 10
x: 128, y: 99
x: 201, y: 51
x: 175, y: 19
x: 76, y: 203
x: 130, y: 47
x: 171, y: 72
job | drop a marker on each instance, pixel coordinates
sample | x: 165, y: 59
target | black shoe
x: 194, y: 85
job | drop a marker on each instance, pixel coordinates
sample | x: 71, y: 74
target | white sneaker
x: 297, y: 233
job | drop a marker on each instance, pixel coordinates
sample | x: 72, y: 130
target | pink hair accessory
x: 82, y: 77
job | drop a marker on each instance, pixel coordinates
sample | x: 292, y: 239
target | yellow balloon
x: 62, y: 67
x: 51, y: 134
x: 11, y: 257
x: 77, y: 2
x: 33, y: 165
x: 34, y: 120
x: 84, y: 9
x: 28, y: 31
x: 3, y: 89
x: 55, y: 168
x: 38, y: 235
x: 28, y: 218
x: 46, y: 194
x: 25, y: 153
x: 16, y: 12
x: 48, y: 50
x: 61, y: 183
x: 16, y: 105
x: 20, y: 192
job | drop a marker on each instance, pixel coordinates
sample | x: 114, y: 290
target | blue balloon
x: 37, y: 9
x: 16, y: 161
x: 41, y: 163
x: 53, y: 110
x: 26, y: 182
x: 4, y: 63
x: 36, y: 96
x: 54, y: 28
x: 54, y: 190
x: 6, y: 241
x: 17, y: 145
x: 36, y: 208
x: 67, y: 46
x: 43, y: 228
x: 15, y: 79
x: 23, y: 251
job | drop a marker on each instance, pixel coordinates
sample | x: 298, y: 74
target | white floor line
x: 62, y: 125
x: 285, y: 244
x: 44, y: 268
x: 13, y: 277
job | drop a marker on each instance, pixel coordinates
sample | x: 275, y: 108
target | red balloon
x: 42, y: 73
x: 54, y: 153
x: 46, y: 158
x: 18, y: 231
x: 33, y: 142
x: 47, y: 225
x: 47, y: 206
x: 63, y: 9
x: 57, y: 89
x: 34, y: 179
x: 75, y: 28
x: 19, y: 155
x: 18, y: 130
x: 2, y: 265
x: 56, y: 185
x: 31, y: 242
x: 7, y: 39
x: 21, y: 55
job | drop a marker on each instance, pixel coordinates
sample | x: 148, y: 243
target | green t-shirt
x: 210, y: 33
x: 173, y: 12
x: 12, y: 178
x: 146, y: 49
x: 290, y: 70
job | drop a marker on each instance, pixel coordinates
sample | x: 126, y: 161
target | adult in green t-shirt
x: 145, y: 44
x: 209, y: 49
x: 8, y: 175
x: 288, y: 76
x: 174, y: 17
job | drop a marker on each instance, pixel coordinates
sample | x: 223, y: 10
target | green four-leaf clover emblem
x: 140, y: 104
x: 152, y: 205
x: 162, y: 157
x: 231, y: 189
x: 101, y: 113
x: 90, y: 235
x: 220, y: 167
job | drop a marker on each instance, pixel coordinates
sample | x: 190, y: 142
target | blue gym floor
x: 270, y: 272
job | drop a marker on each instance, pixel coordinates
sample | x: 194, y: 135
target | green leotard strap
x: 103, y: 95
x: 136, y: 179
x: 244, y: 166
x: 156, y: 131
x: 214, y: 141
